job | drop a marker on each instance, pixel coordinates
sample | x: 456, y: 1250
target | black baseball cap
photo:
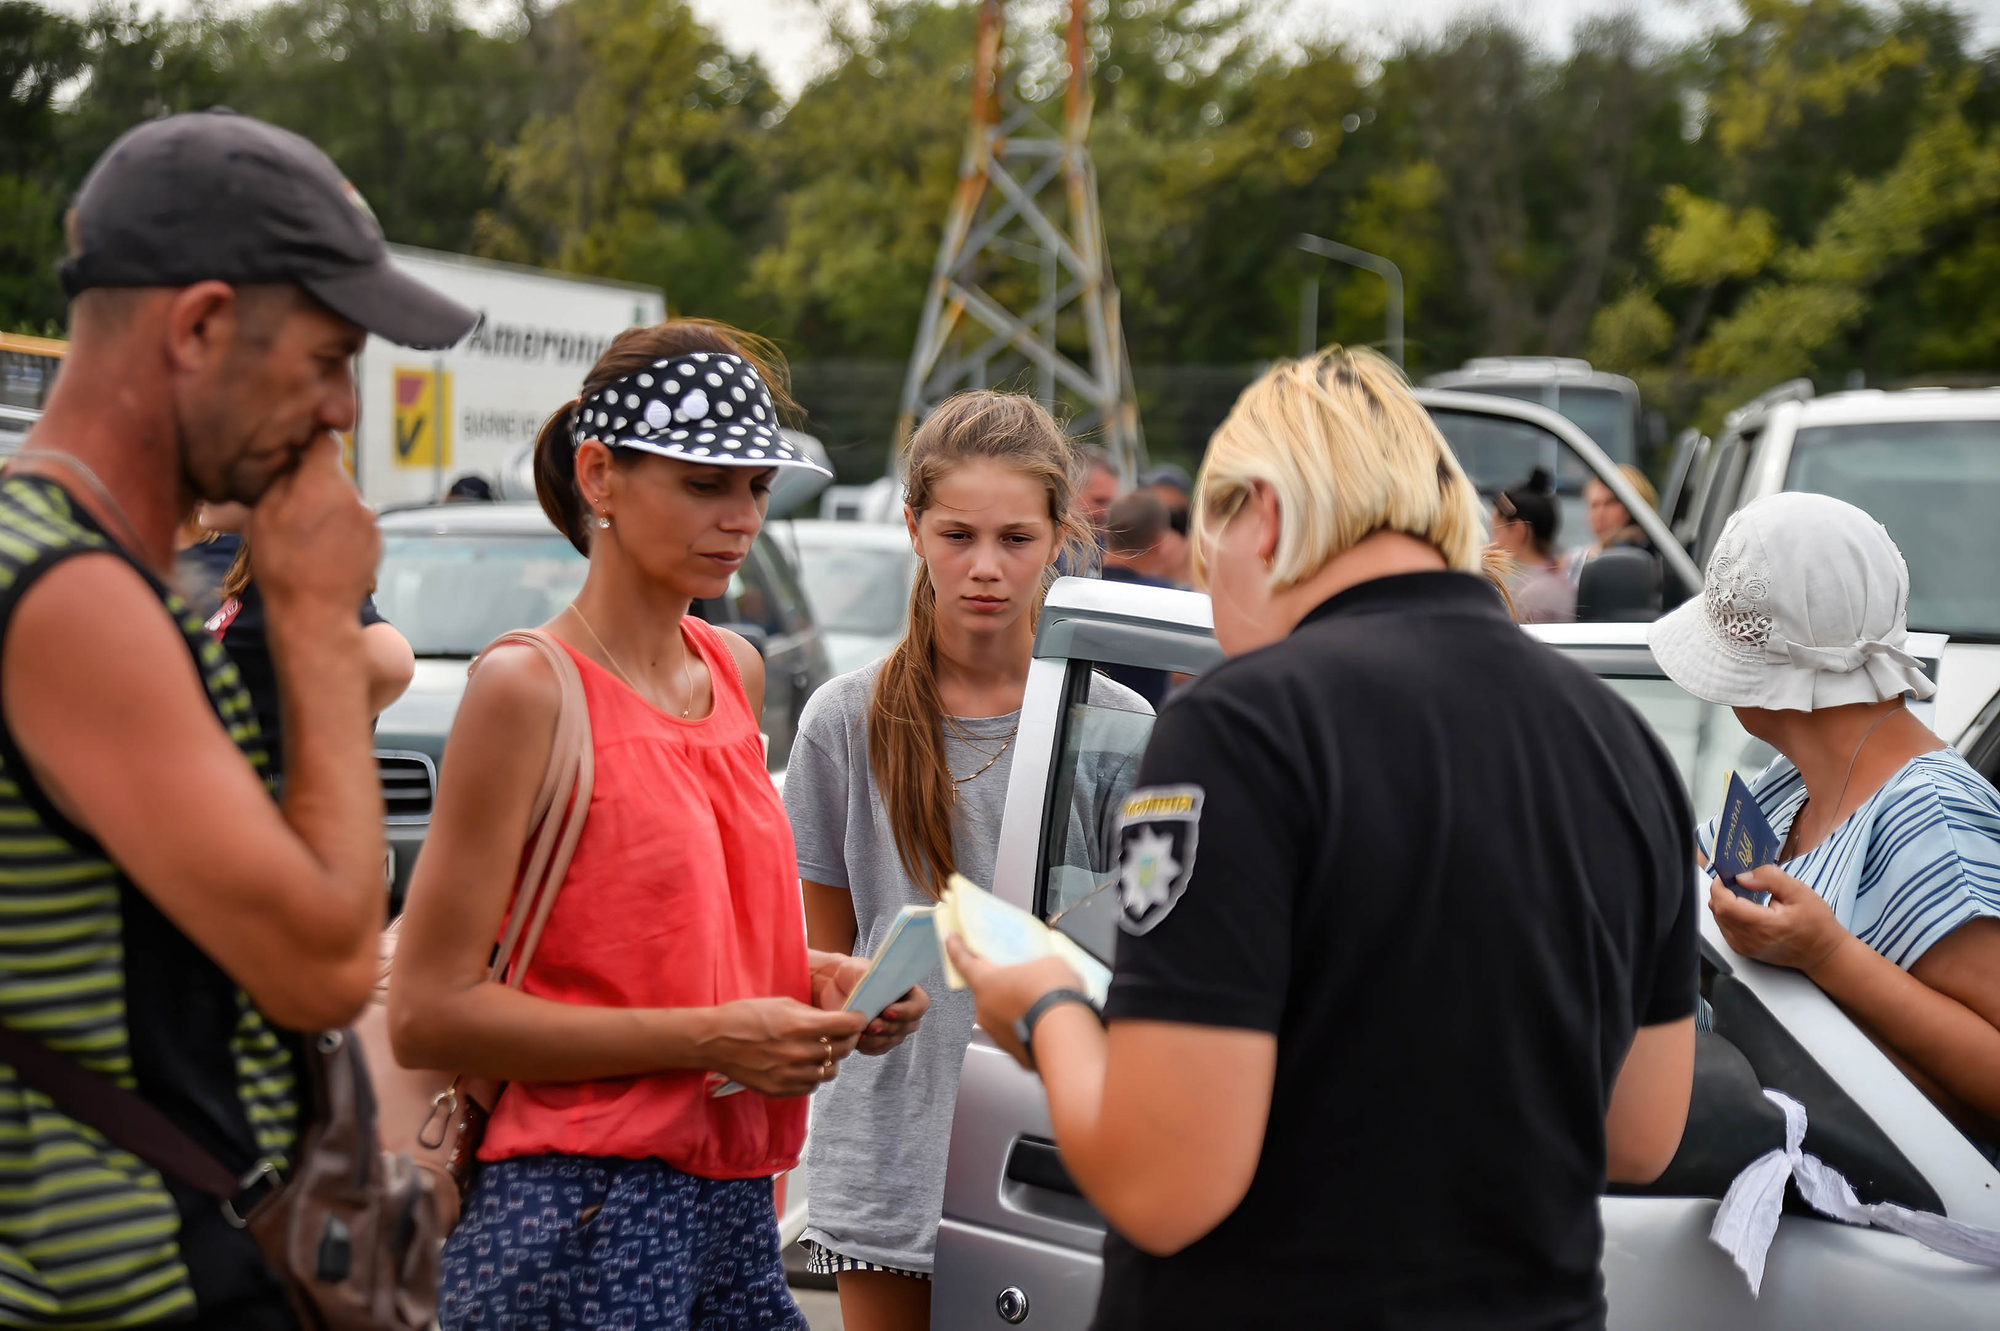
x: 217, y: 196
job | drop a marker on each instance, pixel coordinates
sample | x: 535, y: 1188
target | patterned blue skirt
x: 554, y: 1242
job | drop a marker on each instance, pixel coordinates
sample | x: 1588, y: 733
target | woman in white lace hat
x: 1887, y: 887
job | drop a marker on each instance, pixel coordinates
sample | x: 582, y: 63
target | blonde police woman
x: 1408, y: 964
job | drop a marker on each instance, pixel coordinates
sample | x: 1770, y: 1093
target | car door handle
x: 1040, y: 1165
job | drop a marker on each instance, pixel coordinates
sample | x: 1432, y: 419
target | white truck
x: 539, y: 334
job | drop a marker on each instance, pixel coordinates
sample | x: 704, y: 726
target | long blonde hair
x: 906, y: 714
x: 1349, y: 452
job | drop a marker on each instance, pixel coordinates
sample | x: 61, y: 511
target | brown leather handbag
x: 438, y: 1118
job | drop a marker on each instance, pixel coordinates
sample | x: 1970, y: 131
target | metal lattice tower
x: 1022, y: 269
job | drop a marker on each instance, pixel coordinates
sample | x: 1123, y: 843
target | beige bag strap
x: 556, y: 822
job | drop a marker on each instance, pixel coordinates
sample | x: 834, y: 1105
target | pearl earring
x: 604, y: 519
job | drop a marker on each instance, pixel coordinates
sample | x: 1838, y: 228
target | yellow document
x: 1007, y: 935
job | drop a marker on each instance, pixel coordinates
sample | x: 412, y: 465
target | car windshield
x: 855, y: 590
x: 1499, y: 453
x: 1934, y: 485
x: 451, y: 595
x: 1602, y: 413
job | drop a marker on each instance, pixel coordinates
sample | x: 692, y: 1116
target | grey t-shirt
x: 876, y: 1157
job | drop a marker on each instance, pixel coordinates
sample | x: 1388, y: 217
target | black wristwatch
x: 1024, y: 1029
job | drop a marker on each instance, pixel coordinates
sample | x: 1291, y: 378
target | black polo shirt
x: 1449, y: 870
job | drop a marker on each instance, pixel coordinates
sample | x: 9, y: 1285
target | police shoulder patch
x: 1158, y: 829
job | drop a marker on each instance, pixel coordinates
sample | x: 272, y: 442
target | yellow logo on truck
x: 423, y: 417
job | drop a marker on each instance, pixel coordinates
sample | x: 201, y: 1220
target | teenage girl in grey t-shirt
x: 898, y: 778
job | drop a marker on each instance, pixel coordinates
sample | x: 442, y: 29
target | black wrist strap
x: 1024, y: 1029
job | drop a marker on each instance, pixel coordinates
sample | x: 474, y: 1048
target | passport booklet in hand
x: 1743, y: 840
x: 908, y: 953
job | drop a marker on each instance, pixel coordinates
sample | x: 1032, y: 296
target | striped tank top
x: 89, y: 1235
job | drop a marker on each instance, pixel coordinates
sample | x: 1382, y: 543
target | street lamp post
x: 1374, y: 263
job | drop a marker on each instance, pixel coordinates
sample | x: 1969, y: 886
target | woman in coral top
x: 614, y: 1189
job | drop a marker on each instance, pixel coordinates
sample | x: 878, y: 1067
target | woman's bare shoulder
x: 511, y: 679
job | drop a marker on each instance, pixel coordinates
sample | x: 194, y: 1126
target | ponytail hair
x: 631, y: 351
x: 906, y: 714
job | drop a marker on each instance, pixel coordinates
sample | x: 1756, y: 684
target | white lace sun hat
x: 1803, y: 608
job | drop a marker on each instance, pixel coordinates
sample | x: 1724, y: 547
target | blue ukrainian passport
x: 1743, y: 839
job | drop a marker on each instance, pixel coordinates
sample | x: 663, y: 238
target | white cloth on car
x: 1747, y: 1220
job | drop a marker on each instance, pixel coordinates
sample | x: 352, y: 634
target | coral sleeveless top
x: 684, y: 892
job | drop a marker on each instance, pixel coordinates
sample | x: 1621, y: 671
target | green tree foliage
x: 1813, y: 187
x: 39, y: 53
x: 862, y: 168
x: 421, y: 98
x: 403, y: 94
x: 1948, y: 175
x: 639, y: 167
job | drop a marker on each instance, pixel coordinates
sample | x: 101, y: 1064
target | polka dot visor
x: 705, y: 407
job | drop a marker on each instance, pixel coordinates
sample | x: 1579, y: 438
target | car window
x: 1678, y: 502
x: 1097, y: 761
x: 451, y: 595
x: 856, y: 590
x: 1500, y: 452
x: 1687, y: 528
x: 1604, y: 414
x: 1724, y: 484
x: 1731, y: 1122
x: 1704, y: 740
x: 793, y: 611
x: 753, y: 593
x: 1934, y: 485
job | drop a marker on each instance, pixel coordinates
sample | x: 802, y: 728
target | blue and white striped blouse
x: 1918, y: 859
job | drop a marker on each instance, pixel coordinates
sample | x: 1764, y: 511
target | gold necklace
x: 687, y: 665
x: 966, y: 739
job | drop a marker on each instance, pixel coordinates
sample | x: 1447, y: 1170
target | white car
x: 1924, y: 461
x: 1020, y: 1245
x: 857, y: 578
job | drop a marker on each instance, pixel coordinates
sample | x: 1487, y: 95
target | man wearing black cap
x: 168, y: 922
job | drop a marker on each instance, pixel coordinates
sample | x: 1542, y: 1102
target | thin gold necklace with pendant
x: 687, y: 662
x: 965, y: 738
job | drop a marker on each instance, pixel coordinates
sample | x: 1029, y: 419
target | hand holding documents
x: 905, y: 957
x: 1007, y: 935
x: 1743, y: 840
